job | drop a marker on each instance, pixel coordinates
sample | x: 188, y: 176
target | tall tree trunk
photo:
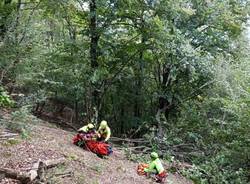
x: 94, y: 38
x: 163, y: 104
x: 72, y: 36
x: 18, y: 7
x: 3, y: 26
x: 122, y: 122
x: 12, y: 80
x: 76, y: 111
x: 93, y: 34
x: 138, y: 87
x: 50, y: 34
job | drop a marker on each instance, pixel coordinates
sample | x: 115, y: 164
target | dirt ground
x: 48, y: 142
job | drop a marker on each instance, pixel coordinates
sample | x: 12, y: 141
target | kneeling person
x: 104, y: 132
x: 156, y: 167
x: 88, y: 131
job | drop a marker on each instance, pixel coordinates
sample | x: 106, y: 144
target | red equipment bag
x: 140, y: 169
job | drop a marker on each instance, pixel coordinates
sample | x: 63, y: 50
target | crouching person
x: 104, y: 132
x: 88, y: 131
x: 156, y: 168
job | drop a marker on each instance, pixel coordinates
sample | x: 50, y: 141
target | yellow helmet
x: 90, y: 126
x: 200, y: 98
x: 103, y: 124
x: 154, y: 155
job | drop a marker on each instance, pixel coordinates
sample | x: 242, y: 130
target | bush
x: 215, y: 171
x: 5, y: 100
x: 20, y: 121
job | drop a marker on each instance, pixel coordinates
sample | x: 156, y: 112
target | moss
x: 72, y: 157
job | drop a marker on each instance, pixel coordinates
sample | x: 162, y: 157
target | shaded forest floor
x: 49, y: 142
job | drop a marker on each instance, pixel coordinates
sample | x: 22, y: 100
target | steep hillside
x: 48, y: 142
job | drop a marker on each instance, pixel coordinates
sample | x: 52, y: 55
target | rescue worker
x: 104, y: 131
x: 88, y: 132
x: 156, y: 167
x: 87, y: 128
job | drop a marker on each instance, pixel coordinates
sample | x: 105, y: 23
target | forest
x: 173, y: 72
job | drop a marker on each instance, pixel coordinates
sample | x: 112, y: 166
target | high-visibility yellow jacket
x: 105, y: 132
x: 85, y: 129
x: 155, y: 167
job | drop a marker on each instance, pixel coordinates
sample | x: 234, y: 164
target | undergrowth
x: 20, y: 122
x: 5, y: 100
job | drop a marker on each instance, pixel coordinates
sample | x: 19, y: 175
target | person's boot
x: 100, y: 156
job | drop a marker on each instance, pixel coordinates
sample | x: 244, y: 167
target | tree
x: 138, y: 64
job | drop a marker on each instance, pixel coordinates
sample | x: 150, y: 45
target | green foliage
x: 11, y: 142
x: 142, y: 158
x: 5, y: 100
x: 219, y: 127
x: 183, y: 57
x: 73, y: 157
x: 20, y: 122
x: 214, y: 171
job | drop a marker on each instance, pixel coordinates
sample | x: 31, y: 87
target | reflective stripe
x: 158, y: 165
x: 155, y: 167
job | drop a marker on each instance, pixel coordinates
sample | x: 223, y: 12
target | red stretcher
x: 99, y: 148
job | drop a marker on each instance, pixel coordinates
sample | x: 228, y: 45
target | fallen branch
x: 144, y: 151
x: 138, y: 147
x: 6, y: 138
x: 7, y: 135
x: 65, y: 174
x: 71, y: 126
x: 140, y: 127
x: 182, y: 145
x: 114, y: 139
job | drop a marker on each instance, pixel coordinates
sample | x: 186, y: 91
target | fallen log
x: 37, y: 171
x: 7, y: 134
x: 9, y: 173
x: 33, y: 172
x: 54, y: 162
x: 146, y: 150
